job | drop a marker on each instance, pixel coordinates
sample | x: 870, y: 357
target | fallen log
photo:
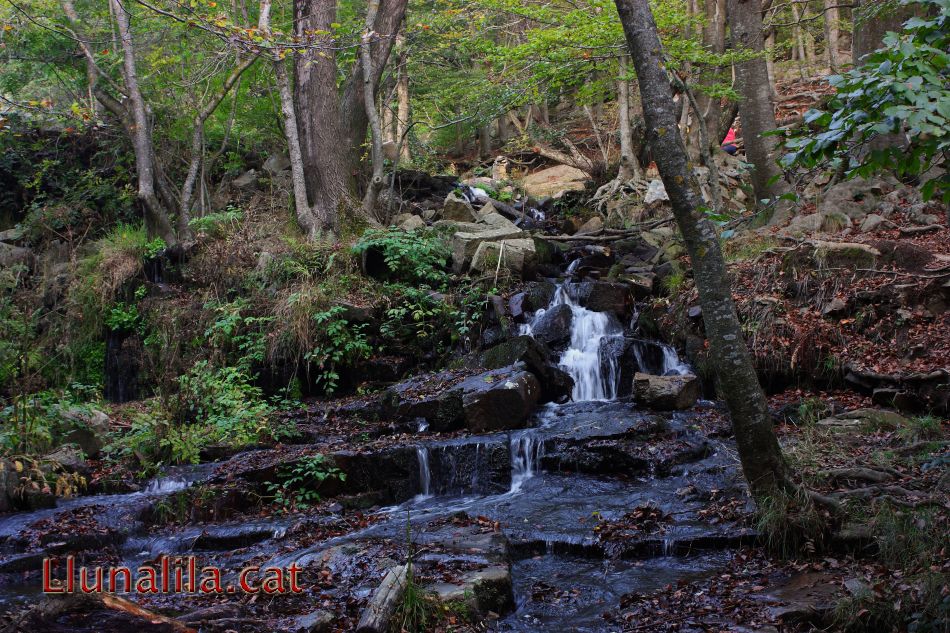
x: 384, y: 601
x: 53, y: 607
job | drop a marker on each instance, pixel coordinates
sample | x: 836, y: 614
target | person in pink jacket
x: 728, y: 143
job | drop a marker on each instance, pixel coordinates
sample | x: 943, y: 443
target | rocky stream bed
x: 519, y: 513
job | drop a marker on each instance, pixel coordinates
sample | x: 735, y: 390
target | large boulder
x: 666, y: 392
x: 603, y: 296
x: 553, y: 326
x: 516, y: 256
x: 11, y: 255
x: 458, y: 209
x: 556, y: 385
x: 88, y: 429
x: 500, y: 399
x: 855, y: 198
x: 554, y: 180
x: 276, y: 163
x: 490, y: 228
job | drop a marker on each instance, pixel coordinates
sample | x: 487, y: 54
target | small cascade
x: 582, y: 357
x: 425, y: 474
x: 525, y: 454
x: 672, y: 365
x: 658, y: 359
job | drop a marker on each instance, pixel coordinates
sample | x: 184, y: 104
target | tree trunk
x: 831, y: 35
x: 333, y: 125
x: 388, y: 21
x: 629, y: 165
x: 503, y: 133
x: 157, y: 220
x: 329, y: 162
x: 305, y: 217
x: 714, y: 40
x: 755, y: 107
x: 762, y: 461
x: 799, y: 39
x: 197, y: 144
x: 372, y: 114
x: 402, y: 96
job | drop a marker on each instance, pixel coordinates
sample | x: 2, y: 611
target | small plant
x: 674, y: 281
x: 298, y: 485
x: 217, y: 224
x: 411, y: 257
x: 341, y: 344
x: 123, y: 317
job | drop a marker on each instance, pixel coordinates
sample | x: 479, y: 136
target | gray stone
x: 603, y: 296
x: 556, y: 384
x: 492, y: 228
x: 656, y: 192
x: 666, y: 392
x: 316, y: 622
x: 593, y: 225
x: 516, y: 256
x: 835, y: 308
x: 409, y: 222
x: 15, y: 256
x: 854, y: 198
x: 458, y: 209
x: 247, y: 180
x: 554, y: 180
x: 553, y: 327
x: 89, y: 430
x: 500, y: 399
x: 276, y: 163
x: 871, y: 222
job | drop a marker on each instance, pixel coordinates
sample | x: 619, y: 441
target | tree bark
x: 389, y: 18
x: 714, y: 40
x: 762, y: 461
x: 157, y: 220
x: 329, y: 161
x: 831, y: 35
x: 755, y: 108
x: 629, y: 165
x: 372, y: 113
x: 402, y: 98
x: 302, y: 211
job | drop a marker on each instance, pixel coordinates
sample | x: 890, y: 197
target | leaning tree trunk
x: 755, y: 107
x: 762, y: 461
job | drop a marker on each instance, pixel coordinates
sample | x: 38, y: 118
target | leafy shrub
x: 340, y: 344
x: 298, y: 484
x: 412, y: 257
x: 900, y: 88
x: 32, y: 423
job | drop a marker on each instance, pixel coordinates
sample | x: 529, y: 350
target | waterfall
x: 672, y: 365
x: 425, y: 474
x: 525, y: 452
x: 582, y: 357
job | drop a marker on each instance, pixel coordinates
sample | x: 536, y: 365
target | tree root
x: 865, y: 474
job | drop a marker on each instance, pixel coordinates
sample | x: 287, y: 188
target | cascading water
x: 524, y: 459
x: 582, y: 357
x: 425, y: 474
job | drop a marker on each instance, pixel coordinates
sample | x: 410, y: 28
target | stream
x: 547, y: 486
